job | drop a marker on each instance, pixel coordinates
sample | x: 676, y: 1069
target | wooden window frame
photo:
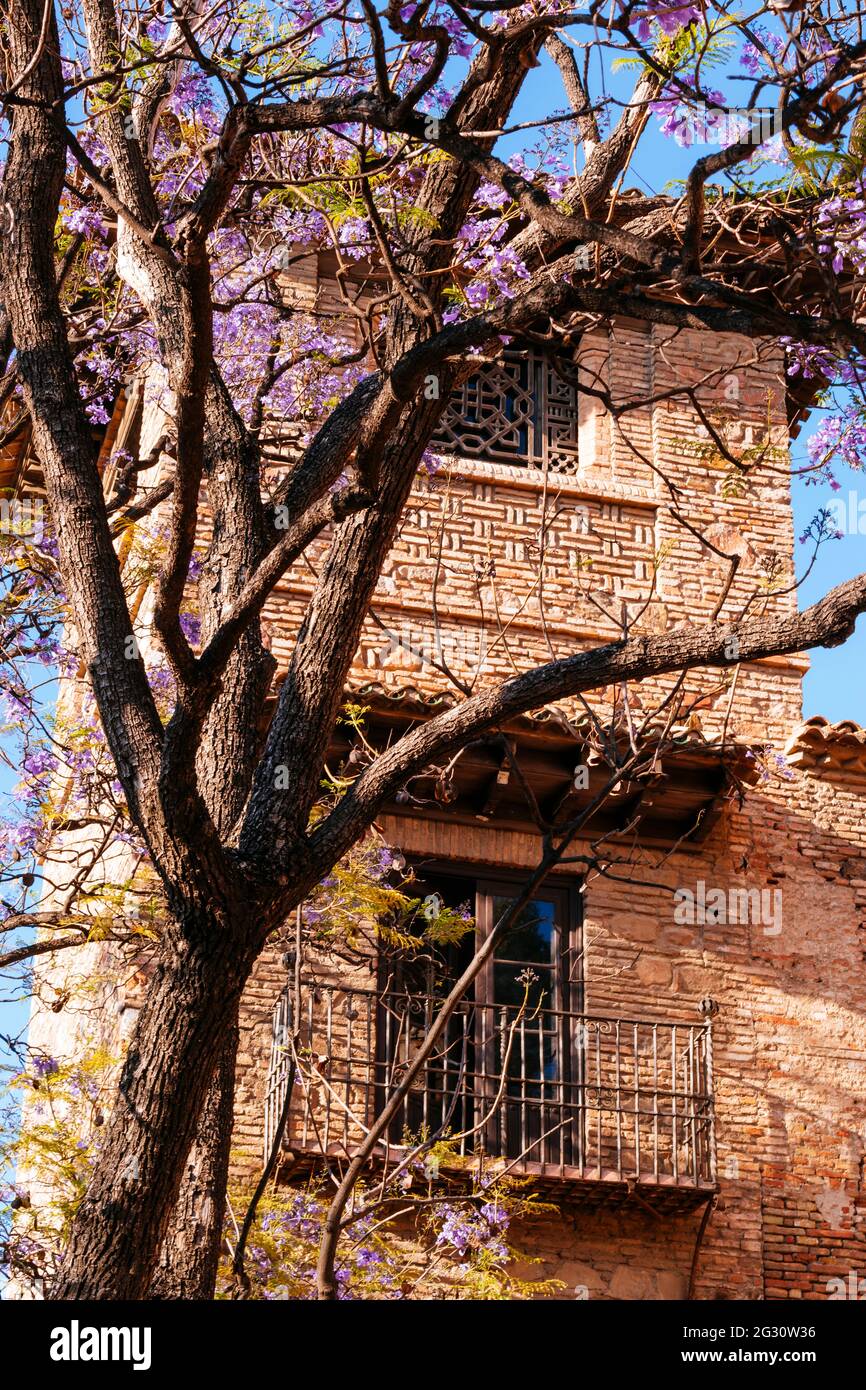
x: 489, y: 881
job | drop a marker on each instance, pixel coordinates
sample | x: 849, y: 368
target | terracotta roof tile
x: 409, y: 699
x: 821, y: 747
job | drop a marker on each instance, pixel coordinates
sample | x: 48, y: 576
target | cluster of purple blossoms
x: 157, y: 30
x: 355, y: 238
x: 497, y: 268
x: 841, y: 436
x: 193, y: 92
x: 809, y: 360
x: 40, y: 763
x: 190, y: 626
x: 466, y: 1230
x: 842, y: 229
x: 753, y: 59
x: 695, y: 123
x: 778, y: 763
x: 16, y: 705
x: 45, y: 1066
x: 462, y: 41
x: 492, y: 195
x: 86, y: 220
x: 431, y: 463
x: 483, y: 246
x: 669, y: 16
x: 196, y: 566
x: 83, y: 1085
x: 292, y: 1234
x: 767, y: 761
x: 303, y: 1217
x: 367, y: 1258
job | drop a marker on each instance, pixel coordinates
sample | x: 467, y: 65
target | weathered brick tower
x: 690, y: 1092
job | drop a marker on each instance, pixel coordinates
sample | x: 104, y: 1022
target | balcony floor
x: 588, y: 1188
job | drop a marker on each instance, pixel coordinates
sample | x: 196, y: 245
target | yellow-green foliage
x: 52, y: 1152
x: 412, y: 1238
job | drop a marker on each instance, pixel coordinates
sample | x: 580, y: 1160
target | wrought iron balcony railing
x: 552, y: 1093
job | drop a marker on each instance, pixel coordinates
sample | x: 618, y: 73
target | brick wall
x: 465, y: 577
x: 789, y: 1049
x: 790, y: 1035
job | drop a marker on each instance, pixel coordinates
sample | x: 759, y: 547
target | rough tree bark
x: 189, y: 1257
x: 230, y: 840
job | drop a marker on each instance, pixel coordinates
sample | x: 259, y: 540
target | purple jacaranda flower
x: 45, y: 1066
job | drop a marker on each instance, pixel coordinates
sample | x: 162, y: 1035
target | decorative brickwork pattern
x: 490, y: 574
x: 790, y: 1034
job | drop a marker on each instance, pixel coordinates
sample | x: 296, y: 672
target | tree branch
x: 827, y: 623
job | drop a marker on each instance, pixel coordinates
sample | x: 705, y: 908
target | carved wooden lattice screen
x: 518, y: 411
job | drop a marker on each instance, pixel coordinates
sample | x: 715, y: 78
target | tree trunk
x: 190, y: 1012
x: 189, y: 1259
